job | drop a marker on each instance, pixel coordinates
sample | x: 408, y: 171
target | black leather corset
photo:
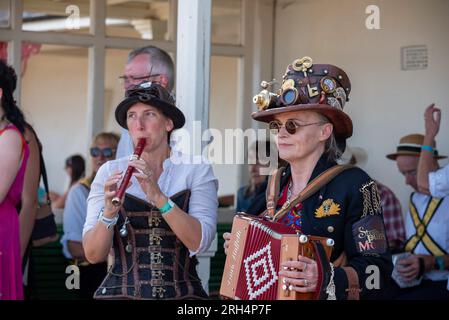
x: 150, y: 262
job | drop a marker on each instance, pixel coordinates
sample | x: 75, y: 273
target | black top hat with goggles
x: 152, y: 94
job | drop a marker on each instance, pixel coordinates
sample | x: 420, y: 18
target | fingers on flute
x: 111, y: 184
x: 110, y: 194
x: 140, y: 176
x: 138, y: 164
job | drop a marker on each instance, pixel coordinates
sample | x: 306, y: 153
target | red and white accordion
x: 256, y: 250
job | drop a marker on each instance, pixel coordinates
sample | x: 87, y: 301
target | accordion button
x: 303, y: 238
x: 330, y: 229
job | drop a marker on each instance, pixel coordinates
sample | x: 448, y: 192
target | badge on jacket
x: 328, y: 208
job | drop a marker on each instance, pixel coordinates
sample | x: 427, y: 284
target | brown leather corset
x: 150, y: 262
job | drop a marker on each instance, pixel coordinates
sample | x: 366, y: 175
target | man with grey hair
x: 145, y: 64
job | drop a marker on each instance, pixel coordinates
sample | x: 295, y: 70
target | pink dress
x: 10, y: 261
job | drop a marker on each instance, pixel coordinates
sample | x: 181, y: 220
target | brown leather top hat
x: 410, y: 145
x: 322, y: 88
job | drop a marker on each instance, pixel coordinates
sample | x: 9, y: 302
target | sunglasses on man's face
x: 106, y: 152
x: 290, y: 126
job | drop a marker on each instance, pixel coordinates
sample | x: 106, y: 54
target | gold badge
x: 328, y: 208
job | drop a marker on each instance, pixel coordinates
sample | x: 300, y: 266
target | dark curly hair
x: 8, y: 83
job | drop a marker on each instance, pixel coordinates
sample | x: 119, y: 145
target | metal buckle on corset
x: 158, y: 291
x: 157, y: 274
x: 155, y: 239
x: 153, y: 221
x: 156, y: 257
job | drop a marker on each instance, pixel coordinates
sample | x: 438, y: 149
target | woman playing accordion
x: 307, y: 116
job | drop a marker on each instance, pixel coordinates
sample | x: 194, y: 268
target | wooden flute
x: 117, y: 200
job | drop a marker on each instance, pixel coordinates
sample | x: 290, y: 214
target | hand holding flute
x: 113, y: 195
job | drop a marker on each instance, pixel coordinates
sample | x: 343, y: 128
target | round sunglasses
x: 290, y: 125
x: 106, y: 152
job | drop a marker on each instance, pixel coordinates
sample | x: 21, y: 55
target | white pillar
x: 97, y: 54
x: 192, y: 85
x: 193, y: 65
x: 257, y: 62
x: 15, y: 45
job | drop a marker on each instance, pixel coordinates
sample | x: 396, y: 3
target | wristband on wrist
x: 167, y: 207
x: 427, y: 148
x: 109, y: 222
x: 439, y: 263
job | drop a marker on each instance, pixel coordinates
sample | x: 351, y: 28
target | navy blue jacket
x: 348, y: 210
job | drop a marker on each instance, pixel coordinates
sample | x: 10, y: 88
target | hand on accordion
x: 300, y: 275
x: 226, y: 237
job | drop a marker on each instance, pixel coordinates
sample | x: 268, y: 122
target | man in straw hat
x: 307, y: 116
x: 422, y: 273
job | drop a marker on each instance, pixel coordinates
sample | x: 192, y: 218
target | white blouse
x: 180, y: 172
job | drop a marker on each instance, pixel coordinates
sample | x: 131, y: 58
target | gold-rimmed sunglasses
x: 290, y: 125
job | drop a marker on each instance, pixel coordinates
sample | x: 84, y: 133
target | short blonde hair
x: 110, y: 137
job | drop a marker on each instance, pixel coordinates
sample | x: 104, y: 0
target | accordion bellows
x: 256, y: 250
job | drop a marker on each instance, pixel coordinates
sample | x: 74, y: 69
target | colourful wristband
x: 439, y: 263
x: 427, y: 148
x: 167, y: 207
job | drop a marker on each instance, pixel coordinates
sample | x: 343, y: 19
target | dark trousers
x: 427, y: 290
x: 91, y: 277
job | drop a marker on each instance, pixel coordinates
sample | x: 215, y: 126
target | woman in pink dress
x: 14, y: 155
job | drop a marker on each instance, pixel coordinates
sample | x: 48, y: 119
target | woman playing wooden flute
x: 167, y: 216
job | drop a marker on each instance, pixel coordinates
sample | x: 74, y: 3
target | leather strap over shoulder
x: 274, y: 185
x: 272, y: 192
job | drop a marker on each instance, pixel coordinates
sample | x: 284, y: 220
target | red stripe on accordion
x: 258, y: 277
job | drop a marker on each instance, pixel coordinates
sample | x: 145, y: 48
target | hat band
x: 414, y: 149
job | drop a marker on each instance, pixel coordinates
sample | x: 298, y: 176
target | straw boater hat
x: 410, y: 145
x: 322, y: 88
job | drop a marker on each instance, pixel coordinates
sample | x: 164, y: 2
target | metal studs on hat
x: 334, y: 102
x: 290, y: 96
x: 264, y: 99
x: 144, y: 97
x: 340, y: 94
x: 301, y: 65
x: 287, y: 84
x: 328, y: 84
